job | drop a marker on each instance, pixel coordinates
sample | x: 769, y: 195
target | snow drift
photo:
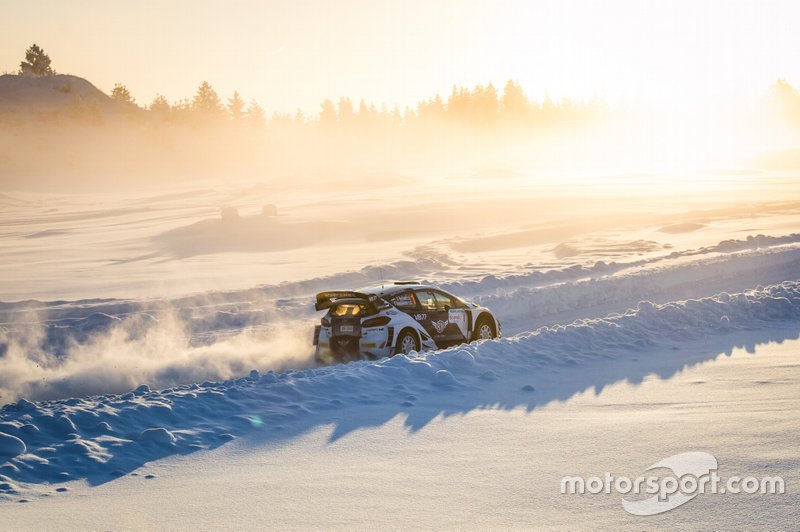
x: 79, y: 348
x: 100, y: 438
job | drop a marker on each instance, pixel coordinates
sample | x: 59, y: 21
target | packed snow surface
x: 103, y: 437
x: 158, y: 349
x: 77, y: 348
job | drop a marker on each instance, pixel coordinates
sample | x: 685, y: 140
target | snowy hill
x: 52, y: 94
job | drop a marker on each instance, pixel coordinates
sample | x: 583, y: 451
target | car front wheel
x: 484, y: 329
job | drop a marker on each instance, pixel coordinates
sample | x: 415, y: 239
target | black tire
x: 484, y: 329
x: 407, y: 341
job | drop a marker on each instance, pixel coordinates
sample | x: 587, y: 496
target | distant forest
x: 480, y: 107
x: 483, y: 106
x: 207, y: 135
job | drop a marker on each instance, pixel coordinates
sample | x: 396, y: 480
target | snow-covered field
x: 156, y: 354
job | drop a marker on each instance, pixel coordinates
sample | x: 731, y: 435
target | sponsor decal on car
x: 439, y: 325
x: 420, y: 317
x: 457, y: 317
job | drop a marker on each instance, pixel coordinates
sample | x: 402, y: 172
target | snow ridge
x: 103, y: 437
x: 75, y: 349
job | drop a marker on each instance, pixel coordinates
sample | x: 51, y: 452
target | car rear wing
x: 328, y: 299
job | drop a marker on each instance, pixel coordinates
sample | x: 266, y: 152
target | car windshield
x: 348, y: 309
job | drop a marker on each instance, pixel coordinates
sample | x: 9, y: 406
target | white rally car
x: 401, y: 317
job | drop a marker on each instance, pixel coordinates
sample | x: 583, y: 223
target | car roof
x: 394, y: 288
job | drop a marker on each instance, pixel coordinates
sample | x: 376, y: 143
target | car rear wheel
x: 407, y: 342
x: 484, y: 329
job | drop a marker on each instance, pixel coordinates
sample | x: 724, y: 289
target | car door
x: 432, y: 316
x: 457, y: 330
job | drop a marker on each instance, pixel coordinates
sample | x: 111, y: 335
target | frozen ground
x: 476, y: 436
x: 671, y: 325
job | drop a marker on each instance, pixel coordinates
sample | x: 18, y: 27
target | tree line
x: 480, y: 106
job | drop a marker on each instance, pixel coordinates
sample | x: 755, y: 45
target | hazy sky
x: 289, y: 54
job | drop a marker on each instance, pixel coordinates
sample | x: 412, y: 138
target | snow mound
x: 158, y: 435
x: 10, y: 446
x: 102, y: 437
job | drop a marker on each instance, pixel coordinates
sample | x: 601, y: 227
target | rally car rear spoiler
x: 326, y: 299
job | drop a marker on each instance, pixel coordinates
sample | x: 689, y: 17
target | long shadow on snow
x: 533, y: 389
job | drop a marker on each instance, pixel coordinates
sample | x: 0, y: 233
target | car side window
x: 427, y: 300
x: 404, y: 300
x: 443, y: 301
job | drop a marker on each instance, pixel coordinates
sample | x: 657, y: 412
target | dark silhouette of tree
x: 236, y: 107
x: 364, y: 118
x: 37, y: 63
x: 121, y: 93
x: 514, y: 104
x: 206, y: 101
x: 255, y: 115
x: 431, y: 110
x: 484, y: 105
x: 459, y: 105
x: 327, y: 116
x: 346, y: 113
x: 160, y: 106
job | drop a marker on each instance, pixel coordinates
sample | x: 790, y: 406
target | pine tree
x: 255, y: 115
x: 236, y: 107
x: 121, y: 93
x: 206, y: 101
x: 327, y: 117
x: 548, y: 109
x: 160, y: 106
x: 346, y: 112
x: 514, y: 104
x: 37, y: 63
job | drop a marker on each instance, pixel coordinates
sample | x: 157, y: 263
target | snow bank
x: 730, y: 271
x: 68, y: 349
x: 102, y: 437
x: 601, y: 268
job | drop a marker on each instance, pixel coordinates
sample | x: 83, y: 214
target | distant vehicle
x: 400, y: 317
